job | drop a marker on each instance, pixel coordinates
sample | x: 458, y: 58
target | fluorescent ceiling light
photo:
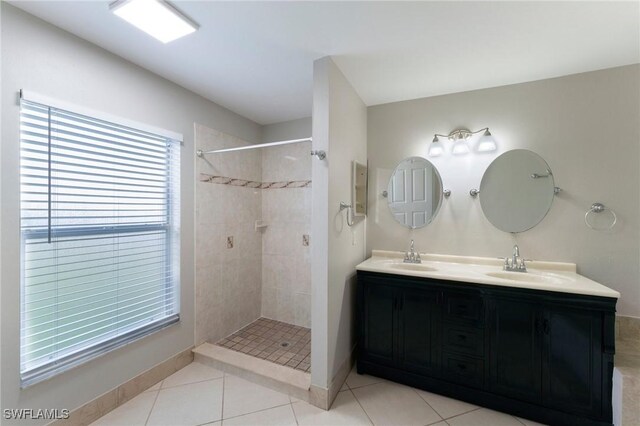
x: 157, y: 18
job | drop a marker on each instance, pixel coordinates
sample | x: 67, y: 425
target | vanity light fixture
x: 158, y: 18
x: 460, y: 139
x: 460, y: 145
x: 436, y: 149
x: 486, y: 142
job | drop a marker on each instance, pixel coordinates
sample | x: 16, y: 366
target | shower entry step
x: 274, y: 341
x: 267, y: 352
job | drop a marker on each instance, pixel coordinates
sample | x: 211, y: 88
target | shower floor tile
x: 275, y: 341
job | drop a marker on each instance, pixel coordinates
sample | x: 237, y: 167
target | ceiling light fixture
x: 158, y: 18
x: 460, y: 139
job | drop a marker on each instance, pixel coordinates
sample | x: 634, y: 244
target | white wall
x: 47, y: 60
x: 339, y: 128
x: 294, y: 129
x: 586, y: 126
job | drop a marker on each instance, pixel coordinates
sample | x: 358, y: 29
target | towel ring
x: 349, y: 209
x: 600, y: 208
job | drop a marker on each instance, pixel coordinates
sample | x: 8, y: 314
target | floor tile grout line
x: 361, y: 406
x: 518, y: 420
x: 209, y: 423
x: 462, y: 414
x: 370, y: 384
x: 441, y: 416
x: 294, y: 411
x: 466, y: 412
x: 257, y: 411
x: 190, y: 383
x: 152, y: 407
x: 429, y: 405
x: 224, y: 385
x: 416, y: 390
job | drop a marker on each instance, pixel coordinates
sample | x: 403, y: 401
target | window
x: 100, y: 236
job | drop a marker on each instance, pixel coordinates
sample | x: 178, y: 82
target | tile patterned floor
x: 200, y: 395
x: 275, y: 341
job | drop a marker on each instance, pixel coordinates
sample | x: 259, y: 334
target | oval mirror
x: 517, y: 190
x: 414, y: 193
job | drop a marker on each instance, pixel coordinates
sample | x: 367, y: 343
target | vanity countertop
x: 547, y: 276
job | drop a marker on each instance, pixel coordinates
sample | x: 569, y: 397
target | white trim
x: 30, y: 96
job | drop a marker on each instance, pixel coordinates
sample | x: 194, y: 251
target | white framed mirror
x: 414, y: 193
x: 517, y: 190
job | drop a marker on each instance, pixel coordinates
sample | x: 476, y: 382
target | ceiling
x: 256, y: 58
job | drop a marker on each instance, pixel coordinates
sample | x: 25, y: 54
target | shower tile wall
x: 228, y: 281
x: 286, y: 263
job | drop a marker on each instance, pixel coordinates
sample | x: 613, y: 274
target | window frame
x: 168, y: 226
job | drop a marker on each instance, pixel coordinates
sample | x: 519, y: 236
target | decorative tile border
x: 224, y: 180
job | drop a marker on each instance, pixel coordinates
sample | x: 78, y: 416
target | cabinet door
x: 572, y: 360
x: 515, y: 349
x: 379, y: 322
x: 417, y: 331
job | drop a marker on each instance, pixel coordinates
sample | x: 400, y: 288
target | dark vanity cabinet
x: 399, y: 327
x: 541, y: 355
x: 573, y: 374
x: 515, y: 339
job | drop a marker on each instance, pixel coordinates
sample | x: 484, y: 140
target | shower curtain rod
x: 201, y: 153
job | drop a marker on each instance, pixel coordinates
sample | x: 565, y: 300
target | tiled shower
x: 253, y: 269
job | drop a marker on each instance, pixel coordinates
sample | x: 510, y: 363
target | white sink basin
x: 413, y: 267
x: 528, y: 277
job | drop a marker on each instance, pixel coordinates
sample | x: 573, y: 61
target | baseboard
x: 93, y: 410
x: 341, y: 376
x: 323, y: 398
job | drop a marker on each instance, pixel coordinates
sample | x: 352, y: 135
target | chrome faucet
x: 412, y: 256
x: 516, y: 255
x: 515, y: 263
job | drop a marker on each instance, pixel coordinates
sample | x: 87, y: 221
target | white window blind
x: 100, y: 237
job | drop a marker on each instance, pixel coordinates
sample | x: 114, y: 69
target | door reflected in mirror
x: 517, y: 190
x: 414, y: 192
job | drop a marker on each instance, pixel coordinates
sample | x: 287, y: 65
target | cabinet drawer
x: 461, y: 369
x: 466, y: 340
x: 464, y: 308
